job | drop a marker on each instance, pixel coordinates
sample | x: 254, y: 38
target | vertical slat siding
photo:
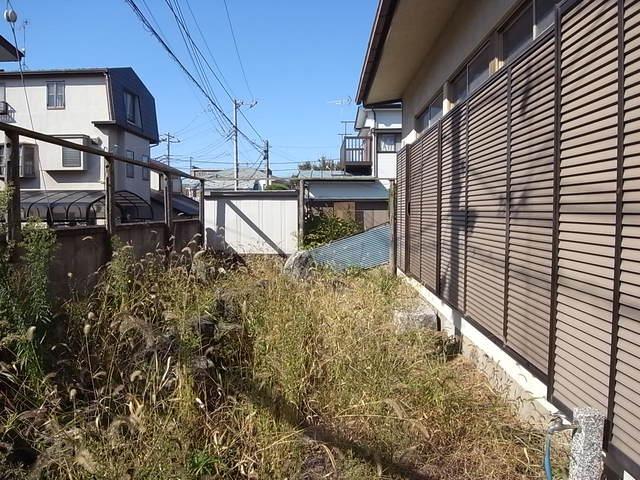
x: 486, y: 184
x: 401, y: 205
x: 429, y: 151
x: 415, y: 206
x: 531, y: 205
x: 587, y: 187
x: 453, y: 208
x: 626, y: 406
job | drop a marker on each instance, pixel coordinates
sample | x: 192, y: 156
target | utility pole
x: 266, y: 159
x: 236, y: 167
x: 167, y: 137
x: 190, y: 165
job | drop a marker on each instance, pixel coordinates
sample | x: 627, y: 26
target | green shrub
x: 323, y: 228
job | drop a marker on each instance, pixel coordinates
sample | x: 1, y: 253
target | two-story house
x: 372, y: 150
x: 108, y: 108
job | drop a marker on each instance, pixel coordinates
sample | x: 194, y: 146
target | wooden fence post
x: 202, y: 214
x: 300, y: 214
x: 12, y: 184
x: 168, y: 207
x: 109, y: 204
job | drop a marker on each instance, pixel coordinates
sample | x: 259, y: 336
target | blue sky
x: 299, y: 57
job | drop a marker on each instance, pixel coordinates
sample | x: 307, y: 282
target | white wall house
x: 384, y: 126
x: 373, y: 150
x: 108, y: 108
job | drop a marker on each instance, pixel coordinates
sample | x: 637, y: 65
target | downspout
x: 374, y: 141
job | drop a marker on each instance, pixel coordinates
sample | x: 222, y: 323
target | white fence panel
x: 252, y: 222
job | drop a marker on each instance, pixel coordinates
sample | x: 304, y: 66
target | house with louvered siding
x: 518, y: 189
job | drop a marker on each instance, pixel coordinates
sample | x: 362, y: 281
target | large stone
x: 417, y: 317
x: 299, y: 264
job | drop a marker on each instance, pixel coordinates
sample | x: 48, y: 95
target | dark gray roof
x: 120, y: 79
x: 123, y: 80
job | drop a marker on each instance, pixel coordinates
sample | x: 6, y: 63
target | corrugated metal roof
x: 345, y: 190
x: 363, y: 250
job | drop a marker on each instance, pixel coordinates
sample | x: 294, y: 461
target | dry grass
x: 250, y: 374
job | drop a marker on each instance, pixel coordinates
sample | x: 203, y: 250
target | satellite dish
x: 10, y: 15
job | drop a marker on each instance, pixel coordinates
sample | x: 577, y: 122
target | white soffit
x: 414, y: 29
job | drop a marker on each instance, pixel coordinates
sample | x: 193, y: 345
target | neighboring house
x: 108, y: 108
x: 361, y: 199
x: 518, y: 193
x: 183, y: 206
x: 373, y: 151
x: 216, y: 179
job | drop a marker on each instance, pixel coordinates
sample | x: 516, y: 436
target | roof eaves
x: 381, y: 25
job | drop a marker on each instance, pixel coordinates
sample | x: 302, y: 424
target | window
x: 27, y: 160
x: 388, y: 142
x: 545, y: 14
x: 458, y: 88
x: 55, y: 95
x: 431, y: 115
x: 518, y: 34
x: 131, y: 172
x: 132, y: 107
x: 71, y: 157
x: 145, y: 171
x: 480, y: 67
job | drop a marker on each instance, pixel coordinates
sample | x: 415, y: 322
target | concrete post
x: 13, y: 185
x: 586, y: 445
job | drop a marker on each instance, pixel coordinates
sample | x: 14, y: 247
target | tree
x: 323, y: 163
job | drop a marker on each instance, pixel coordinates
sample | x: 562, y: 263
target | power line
x: 185, y: 70
x: 235, y: 43
x: 206, y: 45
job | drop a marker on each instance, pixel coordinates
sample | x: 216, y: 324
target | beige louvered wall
x: 414, y: 197
x: 626, y: 406
x: 428, y: 145
x: 453, y: 209
x: 486, y: 203
x: 539, y: 213
x: 401, y: 206
x: 531, y: 155
x: 587, y: 183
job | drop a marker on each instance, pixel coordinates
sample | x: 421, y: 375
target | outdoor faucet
x: 560, y: 423
x: 557, y: 424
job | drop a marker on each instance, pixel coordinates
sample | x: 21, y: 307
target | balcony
x: 355, y: 155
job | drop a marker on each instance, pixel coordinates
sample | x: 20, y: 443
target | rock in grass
x: 417, y: 317
x: 299, y: 265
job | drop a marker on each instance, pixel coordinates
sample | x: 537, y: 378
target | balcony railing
x: 355, y: 151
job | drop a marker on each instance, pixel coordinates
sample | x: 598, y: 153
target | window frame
x: 130, y: 170
x: 78, y: 152
x: 56, y: 84
x: 34, y: 149
x: 396, y: 136
x: 419, y: 119
x: 517, y: 15
x: 131, y: 99
x: 145, y: 171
